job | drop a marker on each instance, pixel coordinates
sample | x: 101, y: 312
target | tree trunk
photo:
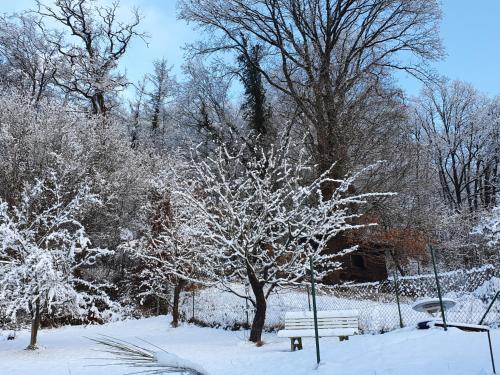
x: 155, y: 121
x: 175, y: 307
x: 35, y: 324
x: 397, y: 263
x: 98, y: 104
x: 260, y: 308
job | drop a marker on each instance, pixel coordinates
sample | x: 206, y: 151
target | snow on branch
x: 45, y: 251
x: 263, y: 217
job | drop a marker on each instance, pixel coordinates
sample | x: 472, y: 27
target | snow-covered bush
x: 45, y: 253
x: 35, y: 138
x: 489, y: 227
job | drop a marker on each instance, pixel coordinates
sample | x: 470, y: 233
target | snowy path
x: 405, y: 352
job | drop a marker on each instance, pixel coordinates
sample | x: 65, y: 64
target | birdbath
x: 432, y: 306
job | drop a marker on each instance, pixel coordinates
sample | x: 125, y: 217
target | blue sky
x: 470, y: 31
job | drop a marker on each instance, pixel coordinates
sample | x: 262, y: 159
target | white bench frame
x: 331, y: 323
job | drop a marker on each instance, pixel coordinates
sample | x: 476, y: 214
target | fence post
x: 489, y: 308
x: 315, y: 311
x: 308, y: 297
x: 396, y: 286
x: 193, y: 307
x: 443, y: 315
x: 246, y: 306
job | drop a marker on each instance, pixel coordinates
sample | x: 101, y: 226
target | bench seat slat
x: 323, y: 314
x: 322, y: 322
x: 309, y: 322
x: 330, y: 323
x: 321, y: 325
x: 321, y: 332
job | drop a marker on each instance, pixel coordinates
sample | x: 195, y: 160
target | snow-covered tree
x: 489, y: 227
x: 264, y: 219
x: 162, y: 85
x: 25, y: 56
x: 90, y: 41
x: 169, y: 247
x: 461, y: 133
x: 45, y: 254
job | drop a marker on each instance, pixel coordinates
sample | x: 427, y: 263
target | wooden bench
x: 338, y: 323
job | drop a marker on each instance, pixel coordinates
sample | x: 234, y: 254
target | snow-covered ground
x: 406, y: 352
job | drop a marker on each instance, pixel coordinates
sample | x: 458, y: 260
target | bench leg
x: 343, y: 338
x: 491, y: 353
x: 296, y: 343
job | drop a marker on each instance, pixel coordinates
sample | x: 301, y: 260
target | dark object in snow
x: 424, y: 325
x: 11, y: 336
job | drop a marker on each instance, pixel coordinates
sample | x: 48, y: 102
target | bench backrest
x: 326, y: 319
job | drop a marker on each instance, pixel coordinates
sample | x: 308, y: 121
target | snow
x: 406, y: 351
x: 172, y: 360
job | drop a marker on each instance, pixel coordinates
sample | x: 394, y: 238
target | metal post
x: 193, y: 305
x: 315, y: 311
x: 489, y: 308
x: 308, y: 297
x: 246, y: 307
x: 438, y: 287
x: 491, y: 353
x: 396, y: 286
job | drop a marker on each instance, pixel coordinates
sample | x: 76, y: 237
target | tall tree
x: 136, y: 109
x: 459, y: 134
x: 329, y: 56
x: 90, y: 41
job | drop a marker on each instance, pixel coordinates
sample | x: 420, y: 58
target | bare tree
x: 25, y: 56
x: 136, y: 108
x: 329, y: 56
x: 90, y: 41
x: 461, y: 132
x: 205, y: 108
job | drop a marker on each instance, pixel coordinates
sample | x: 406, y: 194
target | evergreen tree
x: 256, y: 110
x: 161, y: 81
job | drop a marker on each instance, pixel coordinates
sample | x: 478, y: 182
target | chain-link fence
x: 472, y: 290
